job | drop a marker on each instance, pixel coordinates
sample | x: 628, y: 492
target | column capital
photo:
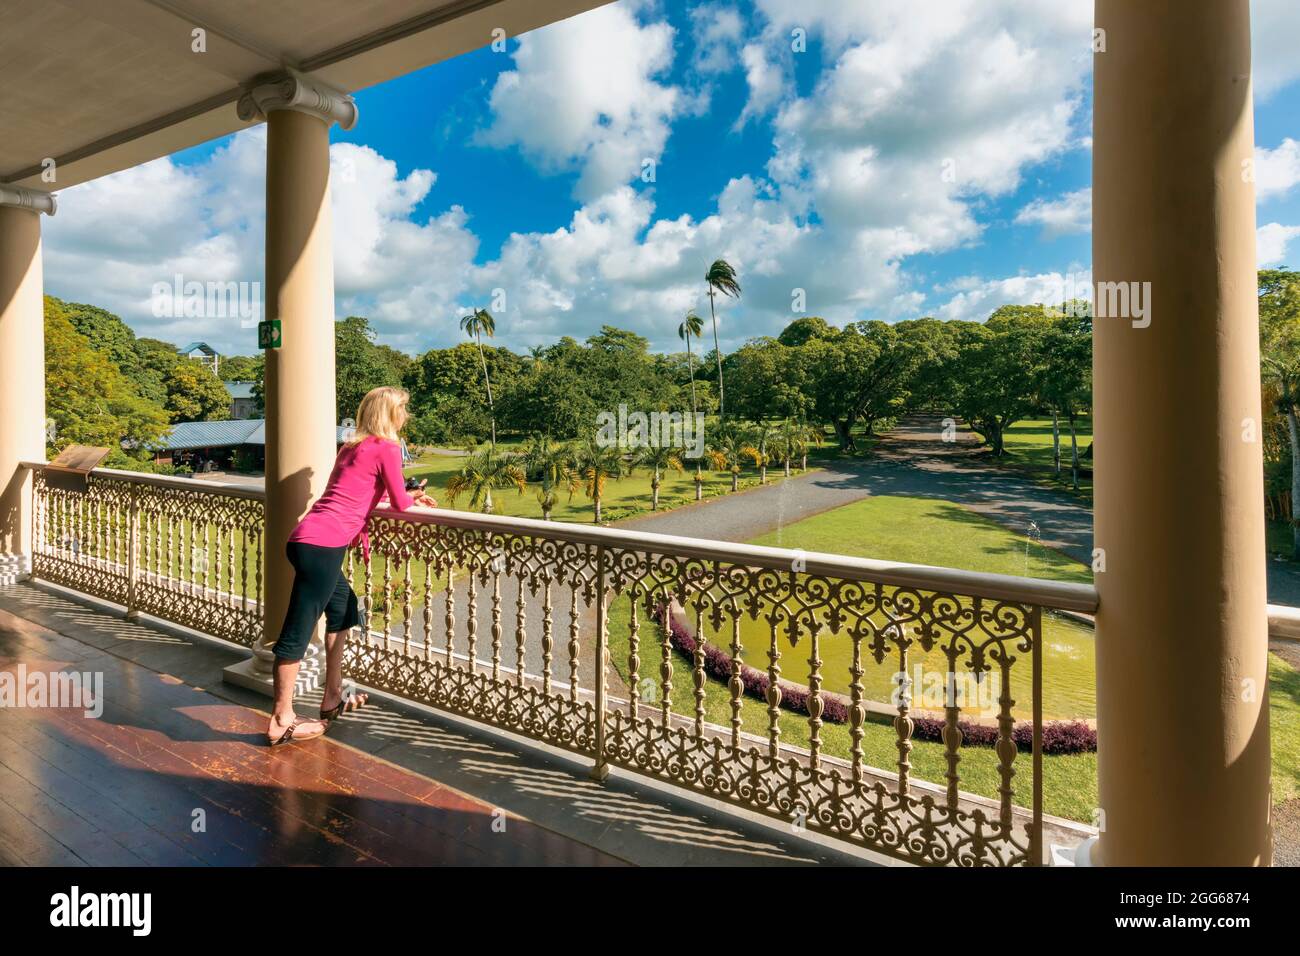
x: 37, y: 200
x: 297, y: 91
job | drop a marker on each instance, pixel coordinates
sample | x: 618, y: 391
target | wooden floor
x: 172, y: 775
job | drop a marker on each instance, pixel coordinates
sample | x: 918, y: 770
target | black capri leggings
x: 319, y: 586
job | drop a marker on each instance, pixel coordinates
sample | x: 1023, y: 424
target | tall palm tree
x: 691, y: 325
x: 476, y: 325
x: 594, y: 464
x: 731, y: 449
x: 480, y: 475
x: 659, y: 458
x: 549, y: 459
x: 721, y: 277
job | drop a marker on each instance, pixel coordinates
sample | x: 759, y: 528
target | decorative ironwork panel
x: 189, y: 554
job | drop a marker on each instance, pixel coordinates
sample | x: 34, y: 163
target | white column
x: 22, y: 368
x: 299, y: 388
x: 1182, y: 670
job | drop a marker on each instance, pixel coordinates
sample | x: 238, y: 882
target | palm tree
x: 731, y: 450
x: 720, y: 278
x: 691, y: 325
x: 808, y: 434
x: 482, y: 473
x: 550, y: 459
x: 476, y: 325
x: 659, y: 458
x: 593, y: 465
x: 787, y: 443
x: 766, y: 439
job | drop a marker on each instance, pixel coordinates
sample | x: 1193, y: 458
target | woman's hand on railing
x: 424, y: 501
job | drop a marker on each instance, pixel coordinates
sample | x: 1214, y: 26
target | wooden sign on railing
x: 70, y: 467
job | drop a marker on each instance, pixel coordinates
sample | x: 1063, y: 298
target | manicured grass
x: 1029, y: 447
x: 929, y: 531
x: 934, y: 532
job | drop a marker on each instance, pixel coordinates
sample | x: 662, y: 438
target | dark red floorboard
x: 123, y: 789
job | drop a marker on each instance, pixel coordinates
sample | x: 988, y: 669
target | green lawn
x: 934, y: 532
x: 1029, y: 447
x: 928, y: 531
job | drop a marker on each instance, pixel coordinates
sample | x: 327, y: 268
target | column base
x: 249, y: 675
x: 1081, y: 855
x: 14, y: 568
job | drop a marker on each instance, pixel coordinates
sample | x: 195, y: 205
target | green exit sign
x: 268, y: 334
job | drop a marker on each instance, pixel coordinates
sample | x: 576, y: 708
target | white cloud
x: 583, y: 95
x: 1271, y: 243
x: 976, y: 299
x: 1276, y: 170
x: 116, y: 237
x: 855, y: 184
x: 1274, y: 32
x: 717, y: 32
x: 1072, y: 213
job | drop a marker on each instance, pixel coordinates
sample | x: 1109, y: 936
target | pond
x: 1069, y: 670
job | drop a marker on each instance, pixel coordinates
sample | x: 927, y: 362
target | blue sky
x: 905, y: 161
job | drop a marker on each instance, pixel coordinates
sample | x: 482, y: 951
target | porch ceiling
x: 100, y: 87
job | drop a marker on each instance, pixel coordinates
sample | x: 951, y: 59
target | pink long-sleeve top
x: 364, y: 474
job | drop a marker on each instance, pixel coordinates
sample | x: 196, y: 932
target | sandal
x: 290, y: 732
x: 347, y: 704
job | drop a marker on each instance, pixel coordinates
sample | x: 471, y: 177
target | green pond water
x: 1069, y: 670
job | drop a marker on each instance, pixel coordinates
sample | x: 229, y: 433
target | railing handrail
x: 1003, y: 587
x: 1060, y: 595
x: 165, y: 481
x: 1284, y: 622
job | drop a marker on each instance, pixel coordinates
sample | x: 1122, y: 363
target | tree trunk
x: 762, y: 474
x: 699, y: 484
x: 803, y: 462
x: 735, y: 480
x: 1293, y: 427
x: 596, y: 503
x: 995, y: 438
x: 654, y: 491
x: 487, y: 382
x: 1074, y: 453
x: 690, y: 365
x: 487, y: 502
x: 717, y: 353
x: 844, y: 432
x: 787, y: 467
x: 1056, y: 443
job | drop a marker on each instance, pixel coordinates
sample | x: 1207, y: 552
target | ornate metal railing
x: 670, y: 657
x: 540, y: 628
x: 180, y: 550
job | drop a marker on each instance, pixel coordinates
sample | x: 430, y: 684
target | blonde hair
x: 378, y: 414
